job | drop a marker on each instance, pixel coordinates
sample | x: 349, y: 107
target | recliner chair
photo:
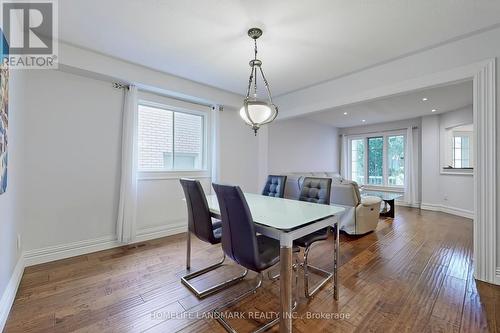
x: 361, y: 214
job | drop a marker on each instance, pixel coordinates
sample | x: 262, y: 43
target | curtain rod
x: 383, y: 131
x: 214, y: 107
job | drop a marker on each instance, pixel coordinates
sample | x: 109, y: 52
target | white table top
x: 282, y: 214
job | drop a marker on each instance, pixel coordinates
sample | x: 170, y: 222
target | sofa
x: 361, y: 214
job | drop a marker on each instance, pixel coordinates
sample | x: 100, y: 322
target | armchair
x: 362, y: 213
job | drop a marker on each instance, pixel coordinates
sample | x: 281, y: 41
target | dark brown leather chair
x: 201, y: 225
x: 315, y: 190
x: 275, y: 186
x: 241, y: 243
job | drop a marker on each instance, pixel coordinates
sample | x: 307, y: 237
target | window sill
x: 461, y: 172
x: 177, y: 174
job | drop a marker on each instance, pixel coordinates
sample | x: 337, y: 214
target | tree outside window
x: 384, y: 158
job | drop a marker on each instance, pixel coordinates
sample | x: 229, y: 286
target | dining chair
x: 201, y: 225
x: 241, y: 243
x: 275, y: 186
x: 315, y: 190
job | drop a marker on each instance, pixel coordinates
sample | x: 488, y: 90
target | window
x: 384, y: 157
x: 396, y: 160
x: 461, y: 151
x: 376, y: 161
x: 456, y: 153
x: 170, y: 140
x: 358, y: 161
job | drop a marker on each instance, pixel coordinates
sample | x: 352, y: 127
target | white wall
x: 455, y: 192
x: 10, y: 223
x: 72, y: 155
x: 302, y: 145
x: 239, y: 149
x: 71, y: 170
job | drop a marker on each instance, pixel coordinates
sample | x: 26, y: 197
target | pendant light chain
x: 255, y: 70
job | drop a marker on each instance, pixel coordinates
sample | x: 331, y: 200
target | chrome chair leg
x: 218, y: 311
x: 188, y: 250
x: 204, y: 293
x: 325, y: 274
x: 221, y: 319
x: 336, y: 264
x: 276, y: 276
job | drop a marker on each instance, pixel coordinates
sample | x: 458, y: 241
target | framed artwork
x: 4, y: 114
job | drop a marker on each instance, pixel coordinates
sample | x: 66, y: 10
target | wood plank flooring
x: 413, y: 274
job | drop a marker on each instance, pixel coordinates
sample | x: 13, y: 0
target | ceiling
x: 404, y: 106
x: 304, y: 42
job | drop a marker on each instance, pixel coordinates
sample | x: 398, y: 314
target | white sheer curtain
x: 127, y: 209
x: 344, y: 157
x: 410, y: 171
x: 215, y: 144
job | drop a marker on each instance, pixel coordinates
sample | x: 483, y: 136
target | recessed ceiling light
x: 345, y: 113
x: 433, y: 110
x: 363, y: 120
x: 425, y: 99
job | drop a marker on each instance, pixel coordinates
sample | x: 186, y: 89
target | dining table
x: 286, y: 220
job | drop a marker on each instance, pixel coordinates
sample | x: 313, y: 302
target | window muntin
x: 170, y: 140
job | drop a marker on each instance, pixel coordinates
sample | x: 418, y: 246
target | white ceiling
x: 405, y: 106
x: 304, y: 42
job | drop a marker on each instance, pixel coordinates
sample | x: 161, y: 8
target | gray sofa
x: 362, y: 213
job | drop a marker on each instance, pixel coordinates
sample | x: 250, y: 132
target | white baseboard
x: 497, y: 276
x: 447, y: 209
x: 10, y: 291
x: 405, y: 204
x: 63, y: 251
x: 57, y: 252
x: 173, y: 228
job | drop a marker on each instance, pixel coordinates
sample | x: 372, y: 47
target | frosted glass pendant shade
x: 259, y: 112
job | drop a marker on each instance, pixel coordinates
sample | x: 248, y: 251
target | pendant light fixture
x: 257, y: 112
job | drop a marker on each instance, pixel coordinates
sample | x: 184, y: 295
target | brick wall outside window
x: 156, y: 139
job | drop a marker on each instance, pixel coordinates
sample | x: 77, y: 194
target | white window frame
x: 205, y: 171
x: 461, y: 134
x: 385, y: 172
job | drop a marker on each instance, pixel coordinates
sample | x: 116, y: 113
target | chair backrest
x: 346, y: 193
x: 316, y: 190
x: 199, y: 220
x: 239, y: 240
x: 275, y: 186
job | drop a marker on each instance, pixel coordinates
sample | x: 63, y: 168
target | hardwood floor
x: 413, y: 274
